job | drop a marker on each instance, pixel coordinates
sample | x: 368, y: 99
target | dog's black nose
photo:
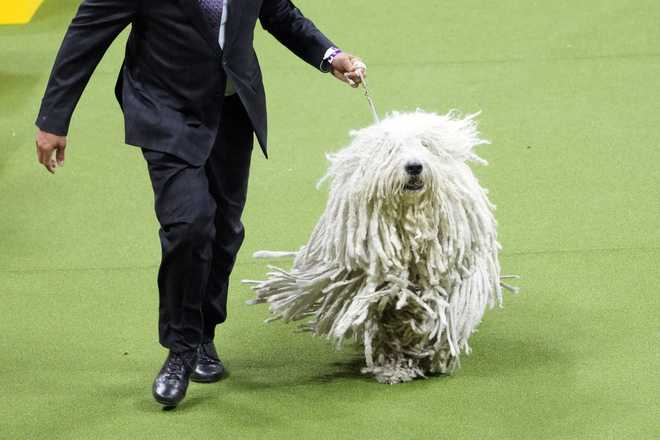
x: 414, y: 168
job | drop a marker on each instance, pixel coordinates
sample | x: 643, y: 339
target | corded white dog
x: 404, y: 261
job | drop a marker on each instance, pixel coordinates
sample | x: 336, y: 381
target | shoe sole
x: 167, y: 403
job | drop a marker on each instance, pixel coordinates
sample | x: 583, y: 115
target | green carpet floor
x: 569, y: 93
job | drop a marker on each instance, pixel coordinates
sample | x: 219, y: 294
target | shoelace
x: 175, y: 367
x: 206, y: 357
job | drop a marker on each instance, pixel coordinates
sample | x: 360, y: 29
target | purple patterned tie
x: 212, y: 9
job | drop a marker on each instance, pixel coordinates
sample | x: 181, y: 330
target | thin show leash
x: 361, y: 68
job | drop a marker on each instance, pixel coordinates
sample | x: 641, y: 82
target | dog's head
x: 407, y: 156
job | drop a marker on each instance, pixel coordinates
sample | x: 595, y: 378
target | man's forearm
x: 95, y: 26
x: 286, y: 23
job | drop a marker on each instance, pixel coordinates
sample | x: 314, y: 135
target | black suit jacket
x: 171, y: 85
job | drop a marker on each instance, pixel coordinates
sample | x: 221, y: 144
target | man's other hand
x: 50, y: 150
x: 348, y: 68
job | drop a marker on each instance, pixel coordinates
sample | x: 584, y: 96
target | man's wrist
x: 51, y: 125
x: 328, y: 58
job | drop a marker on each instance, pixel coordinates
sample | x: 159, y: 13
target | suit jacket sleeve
x: 95, y: 26
x: 286, y: 23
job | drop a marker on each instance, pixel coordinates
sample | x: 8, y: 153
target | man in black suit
x: 192, y: 95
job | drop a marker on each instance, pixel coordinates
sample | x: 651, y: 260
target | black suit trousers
x: 199, y: 210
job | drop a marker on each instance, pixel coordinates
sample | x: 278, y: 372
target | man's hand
x: 348, y: 68
x: 50, y: 150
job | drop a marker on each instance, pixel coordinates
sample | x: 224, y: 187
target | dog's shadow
x: 348, y: 369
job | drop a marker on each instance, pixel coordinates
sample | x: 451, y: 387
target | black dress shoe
x: 209, y: 367
x: 172, y: 381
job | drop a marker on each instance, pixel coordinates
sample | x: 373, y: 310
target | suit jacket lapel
x: 194, y: 13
